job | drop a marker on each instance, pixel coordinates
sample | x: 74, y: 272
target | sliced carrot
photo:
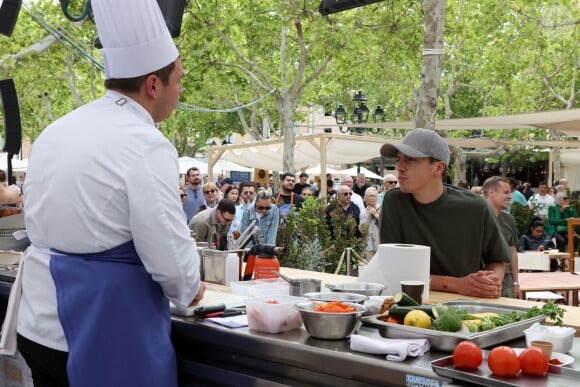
x: 334, y: 307
x: 392, y: 320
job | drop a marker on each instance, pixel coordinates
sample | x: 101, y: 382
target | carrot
x: 334, y: 307
x: 392, y: 320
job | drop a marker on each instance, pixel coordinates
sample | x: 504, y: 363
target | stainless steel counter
x: 214, y: 354
x: 209, y: 354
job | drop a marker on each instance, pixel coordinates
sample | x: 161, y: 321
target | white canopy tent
x: 316, y: 170
x: 186, y: 162
x: 337, y: 149
x: 565, y: 121
x: 355, y: 171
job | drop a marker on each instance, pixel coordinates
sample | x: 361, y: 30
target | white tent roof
x: 565, y: 121
x: 354, y: 171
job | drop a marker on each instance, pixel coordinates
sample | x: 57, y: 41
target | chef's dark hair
x: 132, y: 85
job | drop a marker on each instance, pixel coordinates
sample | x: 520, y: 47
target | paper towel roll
x: 396, y: 262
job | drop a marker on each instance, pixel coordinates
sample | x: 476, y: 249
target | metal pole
x: 348, y: 249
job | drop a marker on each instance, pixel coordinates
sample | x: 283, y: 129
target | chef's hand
x: 11, y: 195
x: 199, y: 295
x: 484, y: 284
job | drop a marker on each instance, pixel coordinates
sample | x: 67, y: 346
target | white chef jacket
x: 98, y: 177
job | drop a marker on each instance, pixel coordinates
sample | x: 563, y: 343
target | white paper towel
x: 396, y: 262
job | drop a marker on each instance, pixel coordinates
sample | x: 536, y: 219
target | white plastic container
x: 258, y: 288
x: 273, y: 314
x: 561, y: 337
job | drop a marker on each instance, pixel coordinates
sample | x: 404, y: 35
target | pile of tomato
x: 502, y: 361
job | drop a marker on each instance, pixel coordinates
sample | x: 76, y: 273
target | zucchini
x: 403, y: 299
x: 399, y: 312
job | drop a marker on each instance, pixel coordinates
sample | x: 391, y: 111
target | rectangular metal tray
x: 557, y: 376
x: 447, y: 341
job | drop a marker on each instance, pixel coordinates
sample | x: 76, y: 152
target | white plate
x: 563, y: 358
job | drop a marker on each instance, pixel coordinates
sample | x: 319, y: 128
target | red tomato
x: 534, y: 362
x: 503, y: 361
x: 467, y: 355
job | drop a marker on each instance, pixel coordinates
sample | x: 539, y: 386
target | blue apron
x: 115, y: 318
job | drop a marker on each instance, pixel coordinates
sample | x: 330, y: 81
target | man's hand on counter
x: 483, y: 284
x: 199, y: 295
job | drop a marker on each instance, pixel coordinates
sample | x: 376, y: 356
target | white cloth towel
x: 395, y: 349
x: 8, y: 340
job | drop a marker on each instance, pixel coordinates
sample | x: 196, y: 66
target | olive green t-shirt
x: 460, y: 227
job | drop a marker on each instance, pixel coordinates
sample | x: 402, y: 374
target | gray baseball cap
x: 419, y: 143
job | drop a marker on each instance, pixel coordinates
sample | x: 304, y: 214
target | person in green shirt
x: 557, y: 225
x: 468, y: 253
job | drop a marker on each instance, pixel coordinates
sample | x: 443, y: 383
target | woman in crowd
x: 210, y: 196
x: 233, y: 193
x: 182, y: 194
x: 266, y: 215
x: 535, y: 239
x: 552, y: 191
x: 370, y: 218
x: 557, y: 225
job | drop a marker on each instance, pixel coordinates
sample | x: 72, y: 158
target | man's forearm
x: 498, y: 268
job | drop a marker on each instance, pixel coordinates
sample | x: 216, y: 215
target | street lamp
x: 360, y: 114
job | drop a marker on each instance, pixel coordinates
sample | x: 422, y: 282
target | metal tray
x: 557, y: 376
x: 447, y: 341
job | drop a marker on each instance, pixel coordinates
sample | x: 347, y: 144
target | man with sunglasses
x: 389, y: 182
x: 220, y: 216
x: 344, y: 204
x: 266, y: 215
x: 468, y: 253
x: 248, y: 193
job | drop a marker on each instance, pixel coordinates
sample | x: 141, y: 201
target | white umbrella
x: 354, y: 171
x: 316, y: 170
x: 187, y: 162
x: 225, y: 165
x: 16, y: 163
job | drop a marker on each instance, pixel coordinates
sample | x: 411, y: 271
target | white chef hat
x: 134, y: 36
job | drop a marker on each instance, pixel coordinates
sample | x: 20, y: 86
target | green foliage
x: 501, y: 57
x: 307, y: 241
x: 522, y: 217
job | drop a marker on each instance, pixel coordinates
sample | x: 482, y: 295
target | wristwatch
x: 516, y: 283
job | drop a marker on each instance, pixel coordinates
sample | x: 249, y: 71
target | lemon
x: 418, y: 318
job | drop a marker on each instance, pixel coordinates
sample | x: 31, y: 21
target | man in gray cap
x: 467, y: 249
x: 99, y: 274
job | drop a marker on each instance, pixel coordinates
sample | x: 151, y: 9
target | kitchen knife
x: 203, y: 311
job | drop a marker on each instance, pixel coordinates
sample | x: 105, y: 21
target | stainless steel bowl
x: 336, y: 296
x: 332, y: 326
x: 365, y: 288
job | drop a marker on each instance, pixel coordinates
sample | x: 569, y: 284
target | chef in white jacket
x: 103, y: 213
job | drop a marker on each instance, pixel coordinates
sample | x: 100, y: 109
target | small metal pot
x: 301, y: 286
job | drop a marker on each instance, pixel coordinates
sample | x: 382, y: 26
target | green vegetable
x: 550, y: 310
x: 449, y: 319
x: 472, y: 327
x: 487, y: 323
x: 403, y: 299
